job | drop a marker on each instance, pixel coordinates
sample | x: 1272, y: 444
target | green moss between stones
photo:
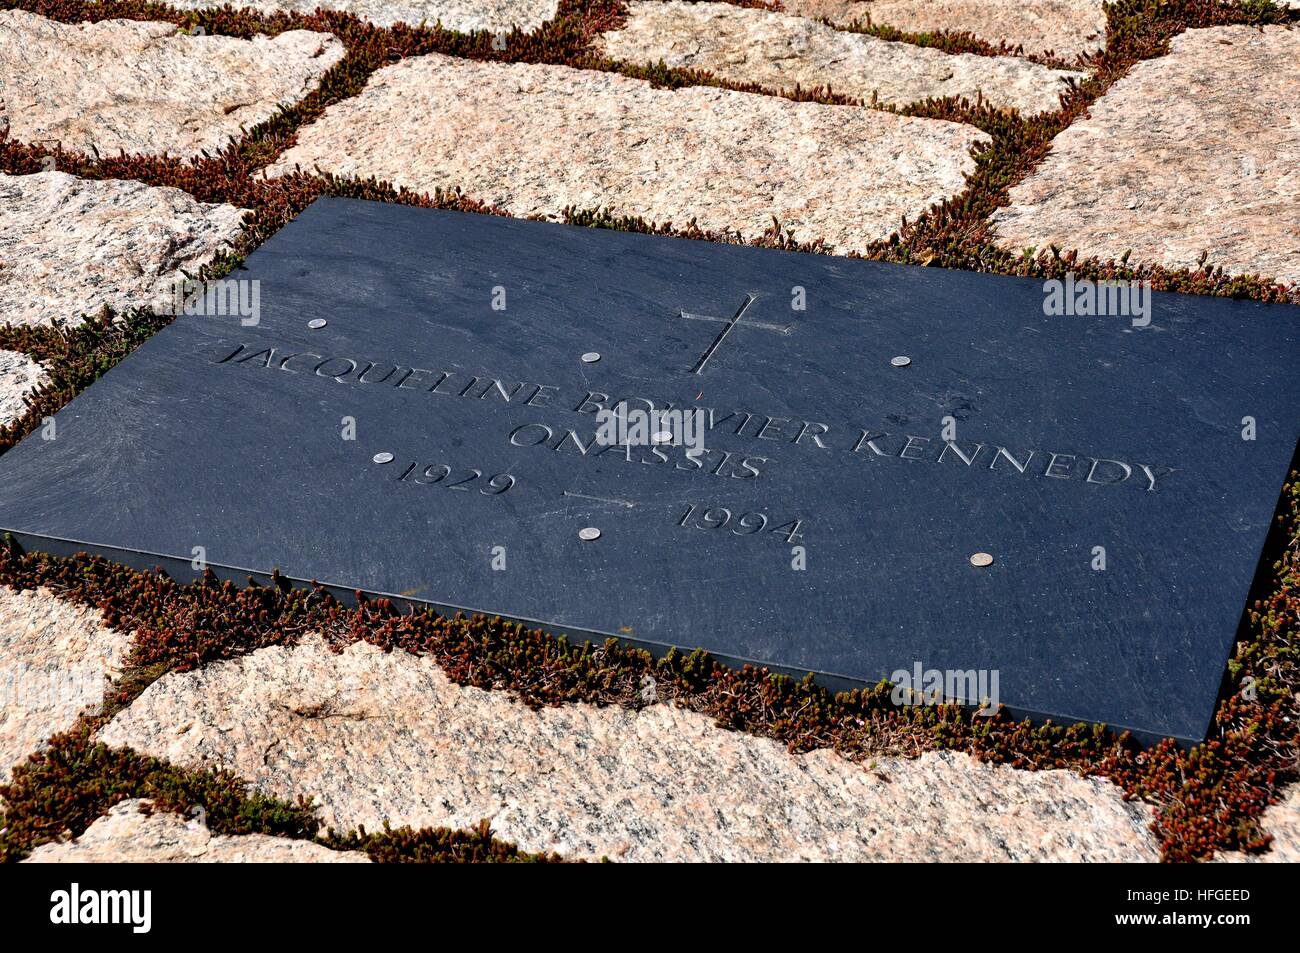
x: 1208, y: 799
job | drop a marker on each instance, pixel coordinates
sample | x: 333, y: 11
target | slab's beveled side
x: 229, y: 438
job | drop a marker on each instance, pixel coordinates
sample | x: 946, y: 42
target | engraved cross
x: 730, y: 323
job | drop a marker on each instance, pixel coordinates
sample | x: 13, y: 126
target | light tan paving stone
x: 1283, y: 822
x: 377, y: 736
x: 55, y: 662
x: 147, y: 87
x: 535, y: 139
x: 781, y: 51
x: 1063, y: 27
x: 126, y: 835
x: 1214, y: 169
x: 19, y: 374
x: 462, y: 15
x: 70, y: 246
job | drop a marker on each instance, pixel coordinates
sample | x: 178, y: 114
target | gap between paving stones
x: 958, y: 233
x: 133, y: 832
x: 465, y: 16
x: 56, y: 661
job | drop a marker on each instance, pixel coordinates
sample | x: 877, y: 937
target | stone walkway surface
x: 70, y: 246
x: 146, y: 87
x: 125, y: 835
x: 1214, y: 169
x: 1064, y: 27
x: 537, y: 139
x: 19, y: 374
x: 781, y: 51
x: 55, y: 662
x: 377, y: 737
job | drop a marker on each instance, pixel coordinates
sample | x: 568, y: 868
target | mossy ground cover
x: 1209, y: 798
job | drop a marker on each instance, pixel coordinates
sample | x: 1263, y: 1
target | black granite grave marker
x: 858, y: 453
